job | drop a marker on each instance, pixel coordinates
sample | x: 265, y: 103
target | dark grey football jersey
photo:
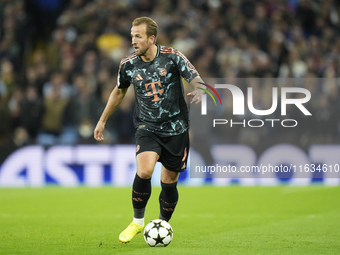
x: 160, y: 106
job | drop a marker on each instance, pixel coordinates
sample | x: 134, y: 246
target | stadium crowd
x: 58, y: 62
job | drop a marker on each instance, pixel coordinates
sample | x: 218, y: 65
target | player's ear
x: 152, y: 39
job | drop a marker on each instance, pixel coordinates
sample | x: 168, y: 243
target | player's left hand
x: 98, y: 132
x: 196, y: 96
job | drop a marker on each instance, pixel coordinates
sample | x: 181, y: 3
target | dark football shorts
x: 172, y: 150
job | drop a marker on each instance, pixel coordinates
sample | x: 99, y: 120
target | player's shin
x: 168, y: 199
x: 141, y: 191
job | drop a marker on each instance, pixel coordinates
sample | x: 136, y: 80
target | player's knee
x: 169, y: 176
x: 144, y: 173
x: 169, y: 179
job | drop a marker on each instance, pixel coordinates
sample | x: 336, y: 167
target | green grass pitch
x: 208, y: 220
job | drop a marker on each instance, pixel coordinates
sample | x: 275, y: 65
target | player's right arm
x: 114, y: 101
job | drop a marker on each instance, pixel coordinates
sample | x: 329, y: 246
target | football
x: 158, y: 233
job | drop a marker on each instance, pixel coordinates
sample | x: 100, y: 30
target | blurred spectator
x: 4, y: 115
x: 79, y: 110
x: 31, y: 112
x: 7, y: 74
x: 57, y: 94
x: 89, y: 70
x: 14, y: 108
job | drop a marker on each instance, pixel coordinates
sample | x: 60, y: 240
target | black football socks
x: 168, y: 200
x: 141, y: 191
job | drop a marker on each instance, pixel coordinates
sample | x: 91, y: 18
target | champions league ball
x: 158, y: 233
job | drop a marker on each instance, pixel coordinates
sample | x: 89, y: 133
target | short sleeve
x: 187, y: 70
x: 122, y: 78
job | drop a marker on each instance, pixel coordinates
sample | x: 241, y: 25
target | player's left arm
x: 196, y: 94
x: 190, y: 74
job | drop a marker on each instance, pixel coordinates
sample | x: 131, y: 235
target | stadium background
x: 59, y: 61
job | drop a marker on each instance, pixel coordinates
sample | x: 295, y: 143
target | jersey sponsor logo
x: 138, y: 78
x: 156, y: 90
x: 162, y: 72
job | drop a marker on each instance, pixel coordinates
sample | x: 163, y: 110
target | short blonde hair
x: 151, y: 26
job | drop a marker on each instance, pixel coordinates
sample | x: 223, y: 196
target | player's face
x: 140, y: 41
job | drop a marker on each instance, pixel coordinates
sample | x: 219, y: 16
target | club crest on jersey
x: 162, y: 72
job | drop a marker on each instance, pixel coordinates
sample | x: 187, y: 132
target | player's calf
x: 168, y: 199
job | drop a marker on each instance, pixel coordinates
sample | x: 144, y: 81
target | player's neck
x: 150, y: 54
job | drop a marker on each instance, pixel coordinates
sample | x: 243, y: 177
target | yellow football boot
x: 130, y: 232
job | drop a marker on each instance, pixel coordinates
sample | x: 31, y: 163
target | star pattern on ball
x: 146, y: 234
x: 159, y: 239
x: 169, y: 230
x: 157, y: 225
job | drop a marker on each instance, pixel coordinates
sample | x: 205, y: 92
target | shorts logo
x: 162, y: 72
x: 184, y: 158
x: 137, y: 148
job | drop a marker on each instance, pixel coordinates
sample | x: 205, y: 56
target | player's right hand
x: 98, y: 131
